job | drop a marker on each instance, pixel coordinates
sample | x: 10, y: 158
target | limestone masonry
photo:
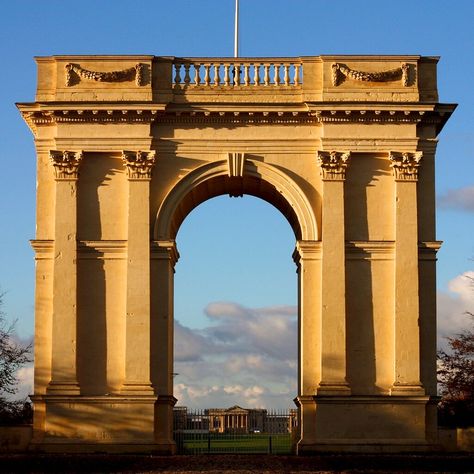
x: 343, y: 146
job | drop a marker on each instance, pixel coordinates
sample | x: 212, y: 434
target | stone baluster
x: 226, y: 74
x: 296, y: 78
x: 256, y: 74
x: 266, y: 74
x: 217, y: 79
x: 139, y: 167
x: 207, y: 75
x: 246, y: 74
x: 177, y: 76
x: 276, y: 74
x: 407, y: 331
x: 197, y: 78
x: 64, y: 337
x: 237, y: 67
x: 187, y: 76
x: 287, y: 75
x: 333, y: 317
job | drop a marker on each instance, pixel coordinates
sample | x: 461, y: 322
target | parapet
x: 171, y: 80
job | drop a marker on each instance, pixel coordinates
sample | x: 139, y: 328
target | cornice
x: 307, y: 250
x: 165, y: 250
x: 299, y: 113
x: 428, y: 250
x: 43, y: 248
x: 370, y: 249
x: 86, y: 249
x: 102, y: 249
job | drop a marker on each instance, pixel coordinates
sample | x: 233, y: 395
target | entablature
x: 39, y: 115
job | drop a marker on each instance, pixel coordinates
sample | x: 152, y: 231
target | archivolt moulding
x: 340, y: 71
x: 286, y: 189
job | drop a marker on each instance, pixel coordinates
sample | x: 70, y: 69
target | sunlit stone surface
x: 343, y: 146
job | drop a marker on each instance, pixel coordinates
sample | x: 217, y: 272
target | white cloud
x: 189, y: 344
x: 25, y: 381
x: 453, y: 307
x: 246, y: 356
x: 221, y: 396
x: 461, y: 199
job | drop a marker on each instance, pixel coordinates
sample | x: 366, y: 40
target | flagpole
x: 236, y: 33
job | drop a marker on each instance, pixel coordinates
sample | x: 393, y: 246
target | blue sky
x: 207, y: 272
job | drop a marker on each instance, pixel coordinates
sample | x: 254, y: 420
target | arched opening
x: 235, y: 307
x: 276, y: 188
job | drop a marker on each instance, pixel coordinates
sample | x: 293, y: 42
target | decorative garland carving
x: 66, y: 164
x: 74, y: 71
x: 333, y: 164
x: 139, y: 163
x: 405, y: 165
x: 340, y: 71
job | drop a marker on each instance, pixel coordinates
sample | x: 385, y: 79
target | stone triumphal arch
x: 343, y: 146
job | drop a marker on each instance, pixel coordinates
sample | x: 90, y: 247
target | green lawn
x: 233, y: 443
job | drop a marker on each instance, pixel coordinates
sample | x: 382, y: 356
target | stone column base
x: 110, y: 423
x: 367, y: 424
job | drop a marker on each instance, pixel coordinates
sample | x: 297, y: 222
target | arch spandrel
x: 259, y: 179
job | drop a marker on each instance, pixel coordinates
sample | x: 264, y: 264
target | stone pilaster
x: 407, y: 331
x: 333, y: 298
x: 164, y: 256
x: 64, y: 328
x: 139, y: 167
x: 307, y: 256
x: 163, y: 259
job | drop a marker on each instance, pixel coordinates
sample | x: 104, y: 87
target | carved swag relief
x: 74, y: 73
x: 340, y: 72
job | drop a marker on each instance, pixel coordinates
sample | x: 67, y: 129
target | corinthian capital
x: 333, y: 164
x: 405, y: 165
x: 139, y: 163
x: 65, y: 163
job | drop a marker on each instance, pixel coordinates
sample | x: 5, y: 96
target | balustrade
x: 277, y: 72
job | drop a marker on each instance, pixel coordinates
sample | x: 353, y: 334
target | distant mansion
x: 235, y: 420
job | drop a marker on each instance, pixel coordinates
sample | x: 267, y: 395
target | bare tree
x: 13, y: 355
x: 456, y: 379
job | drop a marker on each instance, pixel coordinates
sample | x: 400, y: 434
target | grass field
x: 197, y: 443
